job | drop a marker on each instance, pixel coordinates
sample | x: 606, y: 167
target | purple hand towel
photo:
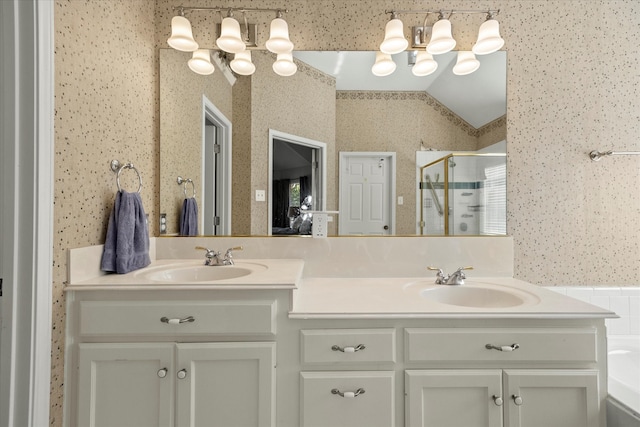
x: 189, y: 218
x: 126, y: 247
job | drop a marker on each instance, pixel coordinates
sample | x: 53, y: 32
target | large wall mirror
x: 334, y: 99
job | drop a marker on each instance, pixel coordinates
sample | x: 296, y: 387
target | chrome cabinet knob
x: 162, y: 372
x: 517, y: 399
x: 497, y: 400
x: 182, y: 374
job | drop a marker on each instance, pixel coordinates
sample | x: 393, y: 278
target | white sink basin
x: 478, y: 295
x: 202, y: 273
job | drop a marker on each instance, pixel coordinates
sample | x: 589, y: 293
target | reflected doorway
x: 216, y: 172
x: 297, y: 176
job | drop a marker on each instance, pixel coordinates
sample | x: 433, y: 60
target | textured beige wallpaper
x: 572, y: 87
x: 181, y: 98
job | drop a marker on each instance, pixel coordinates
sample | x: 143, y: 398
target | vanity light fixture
x: 230, y: 39
x: 279, y: 41
x: 284, y: 65
x: 489, y: 39
x: 466, y: 63
x: 441, y: 39
x: 384, y: 65
x: 200, y: 62
x: 181, y: 34
x: 394, y: 40
x: 241, y: 63
x: 425, y: 64
x: 234, y: 38
x: 441, y: 42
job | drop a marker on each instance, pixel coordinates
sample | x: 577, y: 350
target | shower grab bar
x: 118, y: 167
x: 435, y: 196
x: 183, y: 181
x: 596, y: 155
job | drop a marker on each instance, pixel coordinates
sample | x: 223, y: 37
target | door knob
x: 182, y: 374
x: 497, y: 400
x: 162, y: 372
x: 517, y: 399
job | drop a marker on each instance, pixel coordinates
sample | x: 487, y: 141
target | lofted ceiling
x: 478, y: 98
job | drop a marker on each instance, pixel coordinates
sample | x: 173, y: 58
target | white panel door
x: 453, y: 398
x: 366, y: 193
x: 226, y: 385
x: 551, y: 398
x: 125, y: 385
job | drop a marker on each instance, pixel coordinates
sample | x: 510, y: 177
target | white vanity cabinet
x: 157, y: 360
x: 473, y: 394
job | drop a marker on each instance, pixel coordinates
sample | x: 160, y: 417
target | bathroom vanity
x: 275, y: 347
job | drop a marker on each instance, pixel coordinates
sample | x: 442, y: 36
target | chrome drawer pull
x: 348, y: 394
x: 188, y: 319
x: 348, y: 349
x: 511, y: 347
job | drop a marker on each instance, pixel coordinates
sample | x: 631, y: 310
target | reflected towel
x: 126, y: 247
x: 189, y: 218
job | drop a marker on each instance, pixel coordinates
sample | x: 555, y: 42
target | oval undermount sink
x: 474, y: 295
x: 202, y: 273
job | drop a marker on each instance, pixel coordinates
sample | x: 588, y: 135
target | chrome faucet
x: 214, y: 258
x: 455, y: 278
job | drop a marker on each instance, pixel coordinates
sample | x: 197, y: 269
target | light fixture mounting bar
x: 442, y: 11
x: 234, y: 9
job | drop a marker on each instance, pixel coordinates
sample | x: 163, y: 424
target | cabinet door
x: 226, y: 385
x: 453, y: 398
x: 552, y: 398
x: 121, y: 385
x: 347, y: 399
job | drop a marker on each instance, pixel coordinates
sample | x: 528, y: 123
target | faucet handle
x: 440, y: 277
x: 235, y: 248
x: 228, y: 258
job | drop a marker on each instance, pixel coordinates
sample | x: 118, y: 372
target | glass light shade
x: 230, y: 40
x: 284, y: 65
x: 384, y: 65
x: 489, y: 39
x: 279, y: 37
x: 425, y: 64
x: 441, y: 39
x: 394, y: 40
x: 466, y: 64
x: 200, y: 62
x: 181, y: 35
x: 242, y: 64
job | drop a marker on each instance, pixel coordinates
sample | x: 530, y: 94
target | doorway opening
x: 216, y: 171
x: 297, y: 176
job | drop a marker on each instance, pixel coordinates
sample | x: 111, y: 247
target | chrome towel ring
x: 116, y: 166
x: 184, y: 181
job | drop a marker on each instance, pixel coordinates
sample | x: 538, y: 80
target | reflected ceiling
x: 478, y: 98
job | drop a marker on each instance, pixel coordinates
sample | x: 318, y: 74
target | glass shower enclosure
x: 464, y: 194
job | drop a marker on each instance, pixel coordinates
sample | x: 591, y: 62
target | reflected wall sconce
x: 384, y: 65
x: 233, y: 38
x: 441, y: 41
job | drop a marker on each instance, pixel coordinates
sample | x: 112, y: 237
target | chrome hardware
x: 228, y: 257
x: 184, y: 181
x: 214, y: 258
x: 348, y: 394
x: 118, y: 167
x: 182, y: 374
x: 517, y: 399
x: 497, y: 400
x: 455, y: 278
x: 188, y: 319
x: 162, y: 372
x: 511, y: 347
x: 348, y: 349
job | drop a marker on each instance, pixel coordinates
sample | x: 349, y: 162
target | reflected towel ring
x: 126, y: 166
x: 182, y: 181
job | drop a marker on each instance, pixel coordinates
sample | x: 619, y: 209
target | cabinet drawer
x: 469, y: 345
x: 321, y: 404
x: 348, y: 346
x: 122, y: 318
